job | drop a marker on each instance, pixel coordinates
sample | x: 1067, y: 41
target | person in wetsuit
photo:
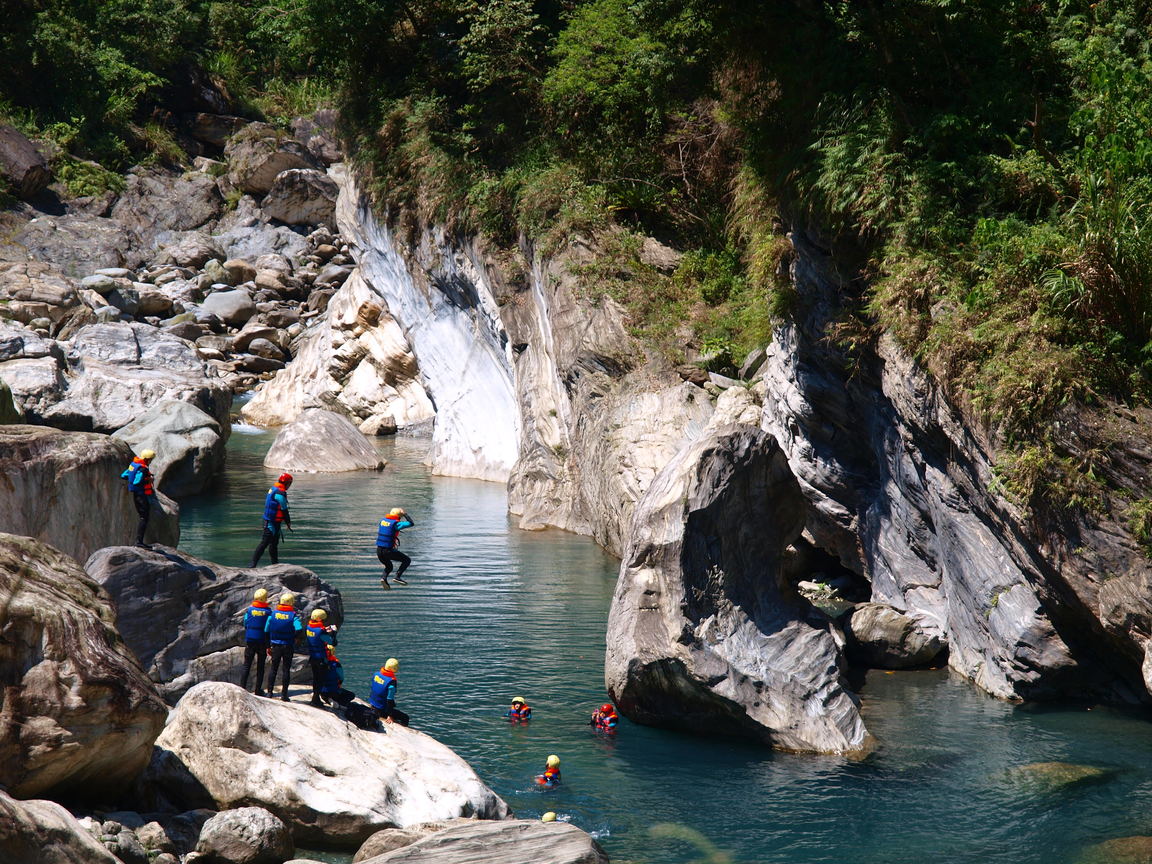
x: 604, y: 718
x: 387, y: 541
x: 143, y: 494
x: 383, y: 694
x: 320, y: 637
x: 276, y: 518
x: 282, y: 627
x: 256, y: 639
x: 519, y: 712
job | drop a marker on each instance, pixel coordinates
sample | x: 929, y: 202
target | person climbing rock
x: 143, y: 494
x: 604, y: 718
x: 387, y: 541
x: 282, y: 627
x: 383, y: 695
x: 551, y: 775
x: 320, y: 637
x: 256, y: 639
x: 519, y: 712
x: 276, y: 517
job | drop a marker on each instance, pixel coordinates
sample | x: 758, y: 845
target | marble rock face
x: 322, y: 441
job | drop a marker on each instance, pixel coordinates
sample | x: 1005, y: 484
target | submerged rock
x: 703, y: 635
x: 518, y: 841
x: 77, y: 715
x: 1048, y: 778
x: 52, y: 482
x: 1119, y: 850
x: 43, y: 832
x: 181, y: 616
x: 189, y: 445
x: 329, y: 781
x: 322, y: 441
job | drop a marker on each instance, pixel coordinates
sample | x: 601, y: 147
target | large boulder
x: 517, y: 841
x: 357, y: 361
x: 156, y: 202
x: 189, y: 445
x: 322, y: 441
x: 880, y: 636
x: 193, y: 249
x: 64, y: 488
x: 233, y: 307
x: 258, y: 152
x: 246, y: 835
x: 181, y: 616
x: 302, y: 197
x: 704, y: 633
x: 329, y: 781
x: 76, y: 244
x: 114, y: 373
x: 30, y: 289
x: 77, y: 714
x: 43, y: 832
x: 22, y: 166
x: 9, y: 413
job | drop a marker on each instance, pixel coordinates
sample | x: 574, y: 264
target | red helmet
x: 285, y: 478
x: 607, y: 708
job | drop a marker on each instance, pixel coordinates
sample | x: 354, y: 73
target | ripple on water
x: 493, y: 612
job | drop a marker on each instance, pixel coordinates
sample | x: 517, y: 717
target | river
x: 493, y: 612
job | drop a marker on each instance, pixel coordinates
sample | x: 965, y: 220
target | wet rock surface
x: 339, y: 794
x: 78, y: 716
x: 181, y: 616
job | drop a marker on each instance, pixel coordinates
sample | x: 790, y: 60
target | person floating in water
x: 256, y: 639
x: 383, y: 695
x: 519, y: 712
x: 320, y: 638
x: 276, y: 517
x: 387, y: 541
x: 604, y: 718
x: 551, y: 775
x: 282, y: 627
x: 143, y: 494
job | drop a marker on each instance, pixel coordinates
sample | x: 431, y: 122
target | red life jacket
x: 147, y: 474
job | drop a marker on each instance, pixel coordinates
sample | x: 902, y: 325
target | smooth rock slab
x: 188, y: 443
x: 181, y: 616
x: 509, y: 842
x: 233, y: 307
x: 332, y: 783
x: 78, y: 715
x: 43, y: 832
x: 302, y: 197
x: 246, y: 835
x: 64, y: 488
x: 324, y: 442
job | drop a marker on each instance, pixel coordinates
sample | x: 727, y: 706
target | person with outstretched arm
x: 276, y: 517
x: 387, y: 541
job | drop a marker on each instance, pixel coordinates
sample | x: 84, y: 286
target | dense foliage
x: 985, y: 164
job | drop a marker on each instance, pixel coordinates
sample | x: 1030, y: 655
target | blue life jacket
x: 390, y: 528
x: 282, y: 626
x: 254, y: 620
x: 334, y: 680
x: 383, y: 695
x: 318, y: 640
x: 276, y: 504
x: 139, y: 477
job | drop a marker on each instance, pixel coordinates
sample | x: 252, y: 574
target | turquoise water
x: 492, y: 612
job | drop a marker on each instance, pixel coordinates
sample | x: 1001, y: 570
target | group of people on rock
x: 272, y: 632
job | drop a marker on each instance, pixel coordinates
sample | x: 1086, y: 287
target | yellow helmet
x: 260, y: 596
x: 553, y: 761
x: 396, y: 511
x: 550, y: 816
x: 287, y: 599
x: 392, y: 664
x: 519, y: 699
x: 318, y: 615
x: 147, y: 454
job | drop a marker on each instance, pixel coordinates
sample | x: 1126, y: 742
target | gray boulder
x: 193, y: 249
x: 517, y: 841
x: 878, y: 635
x: 43, y: 832
x: 9, y: 413
x: 329, y: 781
x: 213, y: 129
x: 246, y: 835
x: 182, y: 616
x: 21, y: 164
x: 79, y: 715
x: 704, y: 633
x: 302, y: 197
x: 391, y: 839
x: 233, y: 307
x: 30, y: 289
x: 189, y: 446
x: 156, y: 202
x: 318, y: 134
x: 322, y: 441
x: 75, y: 244
x: 52, y: 482
x: 259, y: 152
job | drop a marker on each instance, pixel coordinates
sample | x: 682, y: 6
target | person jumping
x: 387, y: 539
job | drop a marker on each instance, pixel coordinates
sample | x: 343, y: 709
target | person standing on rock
x: 276, y: 517
x: 320, y: 638
x: 143, y: 494
x: 282, y: 627
x: 383, y: 695
x: 256, y: 639
x: 387, y: 541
